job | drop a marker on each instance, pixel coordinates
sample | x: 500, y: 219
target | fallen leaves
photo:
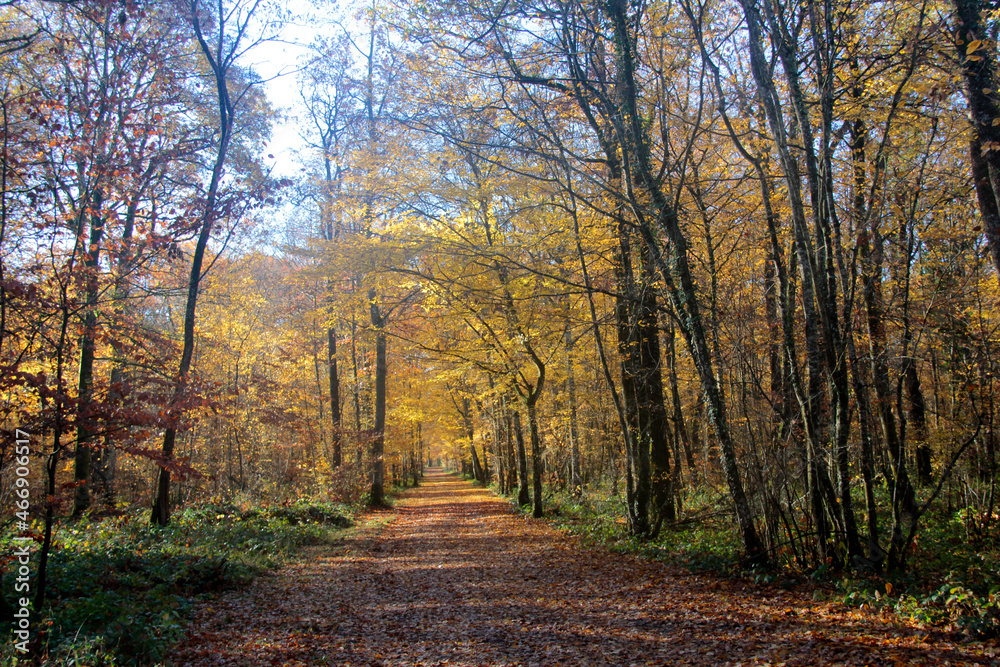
x: 457, y: 579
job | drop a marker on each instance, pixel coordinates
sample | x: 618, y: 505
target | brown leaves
x: 456, y: 579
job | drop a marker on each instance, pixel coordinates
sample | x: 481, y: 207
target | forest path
x: 456, y: 578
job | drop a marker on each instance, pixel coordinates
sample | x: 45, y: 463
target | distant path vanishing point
x: 457, y: 578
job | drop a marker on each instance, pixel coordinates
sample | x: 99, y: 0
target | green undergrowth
x: 952, y: 581
x: 705, y: 540
x: 120, y: 590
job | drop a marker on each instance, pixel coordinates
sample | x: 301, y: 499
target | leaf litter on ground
x: 455, y: 577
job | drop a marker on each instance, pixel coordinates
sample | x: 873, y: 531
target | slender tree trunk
x: 918, y: 420
x: 496, y: 437
x: 311, y: 448
x: 861, y: 395
x: 680, y: 426
x: 524, y: 492
x: 477, y: 465
x: 537, y: 464
x: 510, y: 450
x: 574, y: 436
x: 900, y: 489
x: 909, y: 379
x: 377, y: 497
x: 335, y: 417
x: 161, y: 506
x: 637, y: 474
x: 84, y: 431
x: 356, y: 392
x: 653, y: 409
x: 464, y: 409
x: 637, y: 477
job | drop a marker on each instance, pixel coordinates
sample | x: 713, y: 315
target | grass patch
x: 120, y: 589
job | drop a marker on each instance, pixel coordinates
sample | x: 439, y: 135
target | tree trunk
x: 537, y: 465
x: 637, y: 477
x: 979, y: 69
x: 574, y: 436
x: 510, y: 450
x: 377, y: 497
x: 654, y: 412
x: 335, y: 418
x: 918, y: 420
x: 676, y: 271
x: 220, y: 69
x: 680, y: 426
x: 900, y: 490
x: 356, y: 390
x: 84, y: 433
x: 524, y: 491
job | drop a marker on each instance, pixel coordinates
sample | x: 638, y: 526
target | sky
x: 278, y: 62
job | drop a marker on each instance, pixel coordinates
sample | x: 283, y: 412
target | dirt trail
x: 456, y: 579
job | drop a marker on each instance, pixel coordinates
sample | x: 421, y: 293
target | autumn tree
x: 329, y: 96
x: 220, y: 48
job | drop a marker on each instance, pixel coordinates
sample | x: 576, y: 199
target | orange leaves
x: 456, y: 579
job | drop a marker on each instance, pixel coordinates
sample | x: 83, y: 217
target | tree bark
x: 637, y: 473
x: 523, y: 492
x: 653, y: 409
x: 574, y: 436
x: 220, y: 70
x: 537, y: 464
x: 84, y: 432
x: 336, y: 428
x: 979, y: 69
x: 676, y: 271
x: 377, y: 497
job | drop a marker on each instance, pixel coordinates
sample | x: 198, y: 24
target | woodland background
x: 726, y: 263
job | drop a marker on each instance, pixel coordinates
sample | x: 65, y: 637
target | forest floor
x: 453, y: 576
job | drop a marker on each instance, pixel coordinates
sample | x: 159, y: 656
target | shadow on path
x: 457, y: 578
